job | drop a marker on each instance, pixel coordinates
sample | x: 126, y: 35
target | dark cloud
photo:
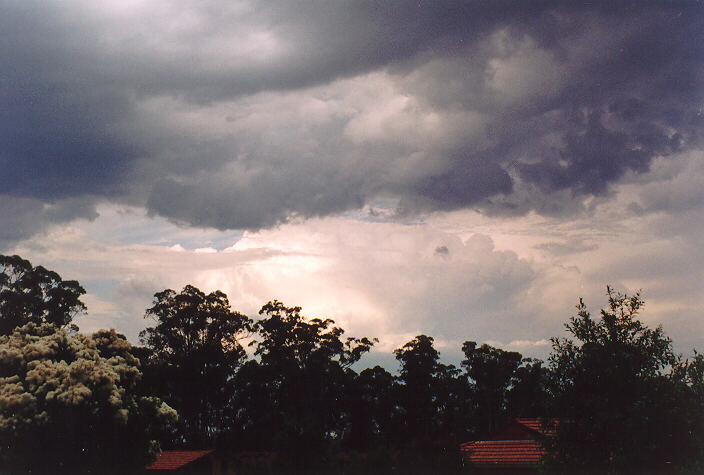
x: 594, y: 159
x: 245, y: 115
x: 59, y: 110
x: 23, y: 217
x: 466, y: 182
x: 442, y: 251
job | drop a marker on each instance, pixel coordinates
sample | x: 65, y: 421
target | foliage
x: 620, y: 405
x: 528, y: 394
x: 420, y: 368
x: 624, y: 400
x: 371, y: 401
x: 684, y: 404
x: 434, y: 404
x: 72, y: 400
x: 492, y: 370
x: 298, y: 387
x: 35, y: 294
x: 288, y: 339
x: 193, y: 353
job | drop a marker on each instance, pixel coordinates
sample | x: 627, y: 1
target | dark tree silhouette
x: 35, y: 294
x: 621, y: 393
x: 420, y: 368
x: 192, y: 356
x: 492, y: 371
x: 431, y: 399
x: 528, y: 395
x: 298, y: 387
x: 374, y: 414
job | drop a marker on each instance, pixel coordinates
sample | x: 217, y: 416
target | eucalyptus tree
x: 292, y: 397
x: 35, y: 294
x: 192, y: 355
x: 435, y: 404
x: 492, y: 371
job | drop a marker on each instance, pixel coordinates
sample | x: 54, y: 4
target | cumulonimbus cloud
x: 241, y: 116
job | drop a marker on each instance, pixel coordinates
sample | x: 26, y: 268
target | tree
x: 371, y: 403
x: 35, y: 294
x: 193, y: 354
x: 431, y: 398
x: 68, y: 403
x: 528, y: 395
x: 288, y: 339
x: 298, y: 387
x: 682, y: 412
x: 492, y: 370
x: 616, y: 390
x: 420, y: 366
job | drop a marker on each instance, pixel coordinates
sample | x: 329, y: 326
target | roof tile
x: 173, y: 459
x: 538, y: 425
x: 503, y: 452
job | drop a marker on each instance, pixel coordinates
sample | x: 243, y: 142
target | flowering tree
x: 72, y: 400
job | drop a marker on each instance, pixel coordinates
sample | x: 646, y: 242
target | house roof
x: 503, y: 452
x: 173, y: 459
x: 538, y: 425
x: 518, y: 443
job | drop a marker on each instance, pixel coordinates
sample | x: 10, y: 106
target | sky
x: 466, y: 170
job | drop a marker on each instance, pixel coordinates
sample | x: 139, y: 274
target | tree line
x: 624, y: 399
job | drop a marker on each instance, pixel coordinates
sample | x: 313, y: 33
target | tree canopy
x: 619, y: 394
x: 35, y: 294
x: 492, y: 370
x: 299, y: 384
x: 72, y: 400
x: 191, y: 357
x: 434, y: 405
x: 622, y: 398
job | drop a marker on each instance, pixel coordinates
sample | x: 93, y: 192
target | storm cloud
x: 244, y: 115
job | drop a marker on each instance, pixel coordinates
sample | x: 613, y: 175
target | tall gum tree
x: 298, y: 386
x: 35, y: 294
x: 191, y: 356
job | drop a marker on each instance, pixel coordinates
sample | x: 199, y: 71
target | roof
x: 518, y: 443
x: 539, y: 426
x: 503, y: 452
x: 173, y: 459
x: 524, y: 429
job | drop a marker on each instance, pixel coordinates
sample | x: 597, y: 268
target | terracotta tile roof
x: 173, y: 459
x: 516, y: 444
x: 503, y: 452
x: 537, y: 425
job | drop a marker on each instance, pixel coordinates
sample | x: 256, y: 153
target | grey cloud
x: 594, y: 159
x: 59, y: 110
x: 23, y: 217
x: 442, y: 251
x: 571, y: 99
x: 466, y: 182
x: 616, y: 89
x: 679, y: 188
x: 570, y: 246
x: 254, y: 197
